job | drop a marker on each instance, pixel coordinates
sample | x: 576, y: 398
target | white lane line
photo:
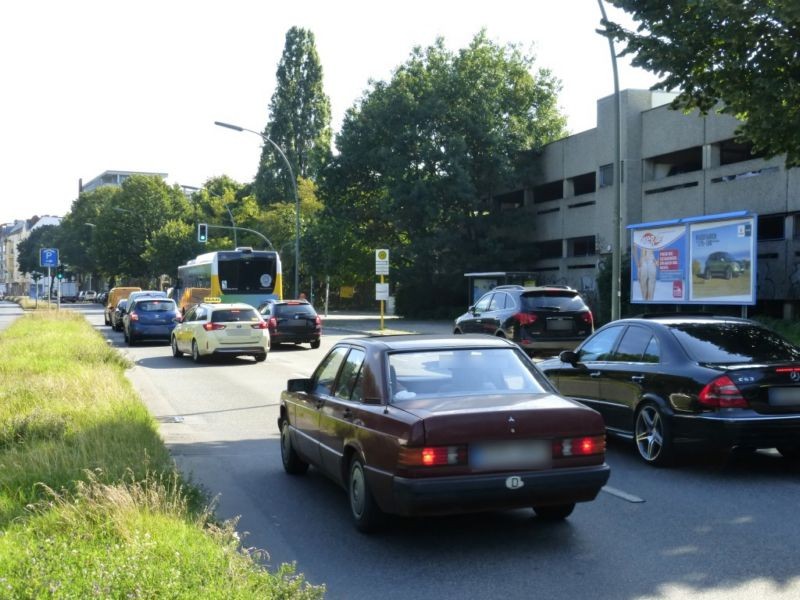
x: 620, y: 494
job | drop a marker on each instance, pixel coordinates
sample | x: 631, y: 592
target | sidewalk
x: 9, y: 312
x: 370, y: 324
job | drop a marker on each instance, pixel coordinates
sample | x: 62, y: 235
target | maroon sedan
x: 425, y: 425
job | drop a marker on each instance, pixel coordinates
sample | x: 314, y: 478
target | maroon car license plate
x: 522, y: 454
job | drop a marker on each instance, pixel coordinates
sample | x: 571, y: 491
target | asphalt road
x: 721, y: 527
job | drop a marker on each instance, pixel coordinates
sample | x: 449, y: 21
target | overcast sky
x: 95, y: 85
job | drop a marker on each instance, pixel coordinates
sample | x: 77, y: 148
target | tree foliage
x: 28, y: 249
x: 421, y: 156
x: 299, y: 121
x: 745, y: 55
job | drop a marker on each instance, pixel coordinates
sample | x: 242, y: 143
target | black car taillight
x: 524, y: 318
x: 722, y: 393
x: 587, y: 317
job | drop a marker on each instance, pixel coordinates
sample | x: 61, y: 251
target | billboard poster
x: 659, y: 265
x: 723, y: 259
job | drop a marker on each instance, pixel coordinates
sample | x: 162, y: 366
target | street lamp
x: 266, y: 138
x: 616, y: 237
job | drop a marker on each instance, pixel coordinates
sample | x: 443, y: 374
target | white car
x: 221, y: 329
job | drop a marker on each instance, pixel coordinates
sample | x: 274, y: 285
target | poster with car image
x: 658, y: 264
x: 723, y: 260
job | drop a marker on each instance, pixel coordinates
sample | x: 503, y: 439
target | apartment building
x: 115, y: 178
x: 12, y: 281
x: 674, y: 165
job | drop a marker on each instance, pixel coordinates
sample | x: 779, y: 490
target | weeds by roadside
x: 91, y: 504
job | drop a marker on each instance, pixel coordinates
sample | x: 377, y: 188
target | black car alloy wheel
x: 652, y: 435
x: 292, y: 463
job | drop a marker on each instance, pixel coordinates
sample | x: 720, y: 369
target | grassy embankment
x: 91, y: 504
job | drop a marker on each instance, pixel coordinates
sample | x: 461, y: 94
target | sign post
x: 382, y: 268
x: 48, y: 257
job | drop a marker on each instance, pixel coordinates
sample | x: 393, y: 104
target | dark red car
x: 425, y: 425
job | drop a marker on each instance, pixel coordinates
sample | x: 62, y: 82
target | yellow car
x: 221, y: 329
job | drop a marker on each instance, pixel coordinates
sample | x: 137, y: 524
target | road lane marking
x: 620, y: 494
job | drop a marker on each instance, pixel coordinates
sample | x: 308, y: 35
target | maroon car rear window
x: 467, y: 372
x: 229, y: 315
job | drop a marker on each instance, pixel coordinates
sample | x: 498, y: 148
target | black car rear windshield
x: 726, y: 343
x: 228, y: 315
x: 289, y: 310
x: 552, y: 300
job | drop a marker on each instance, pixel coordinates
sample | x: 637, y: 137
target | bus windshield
x: 241, y: 274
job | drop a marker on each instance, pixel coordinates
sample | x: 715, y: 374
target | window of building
x: 583, y: 184
x: 675, y: 163
x: 550, y: 249
x: 606, y: 176
x: 731, y: 151
x: 581, y: 246
x: 771, y: 227
x: 548, y: 192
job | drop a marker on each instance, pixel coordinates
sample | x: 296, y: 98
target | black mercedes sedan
x: 687, y: 380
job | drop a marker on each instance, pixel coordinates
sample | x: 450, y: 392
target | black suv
x: 536, y: 318
x: 292, y: 321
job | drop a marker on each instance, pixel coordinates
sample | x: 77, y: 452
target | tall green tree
x: 127, y: 224
x: 28, y: 249
x: 77, y: 229
x: 744, y: 54
x: 423, y: 153
x: 299, y: 122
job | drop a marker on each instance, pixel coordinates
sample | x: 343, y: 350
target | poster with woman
x: 658, y: 264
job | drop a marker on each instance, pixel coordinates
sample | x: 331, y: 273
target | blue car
x: 149, y: 319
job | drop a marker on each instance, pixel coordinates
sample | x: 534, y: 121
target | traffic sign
x: 381, y: 291
x: 48, y: 257
x: 381, y: 262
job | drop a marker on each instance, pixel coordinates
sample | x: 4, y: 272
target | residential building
x: 12, y: 281
x: 674, y: 165
x: 114, y: 178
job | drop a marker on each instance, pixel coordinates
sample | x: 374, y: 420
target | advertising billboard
x: 699, y: 260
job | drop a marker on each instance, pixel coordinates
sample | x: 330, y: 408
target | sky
x: 95, y: 85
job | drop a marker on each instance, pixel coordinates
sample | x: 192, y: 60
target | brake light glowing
x: 787, y: 370
x: 432, y: 456
x: 213, y: 326
x: 587, y: 317
x: 259, y: 325
x: 580, y: 446
x: 525, y: 318
x: 721, y: 393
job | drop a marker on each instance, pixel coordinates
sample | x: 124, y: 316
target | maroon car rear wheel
x: 367, y: 516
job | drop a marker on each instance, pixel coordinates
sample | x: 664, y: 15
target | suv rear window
x: 556, y: 300
x: 288, y: 310
x: 228, y: 315
x: 726, y: 343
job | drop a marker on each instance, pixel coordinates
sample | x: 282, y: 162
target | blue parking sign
x: 48, y: 257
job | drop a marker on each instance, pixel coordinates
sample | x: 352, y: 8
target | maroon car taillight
x: 525, y: 318
x: 721, y: 393
x: 579, y: 446
x: 432, y: 456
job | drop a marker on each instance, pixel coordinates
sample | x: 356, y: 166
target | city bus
x: 241, y: 275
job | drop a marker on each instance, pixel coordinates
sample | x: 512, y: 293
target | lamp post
x: 616, y: 237
x: 266, y: 138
